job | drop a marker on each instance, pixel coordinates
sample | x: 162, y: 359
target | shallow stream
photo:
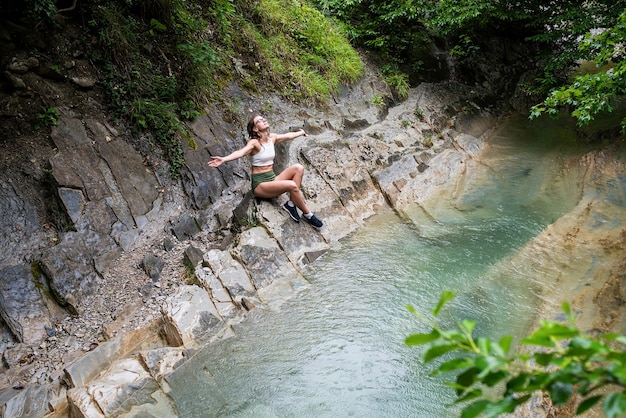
x: 337, y: 348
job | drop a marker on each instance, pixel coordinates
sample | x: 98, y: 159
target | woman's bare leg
x: 294, y: 172
x: 275, y: 188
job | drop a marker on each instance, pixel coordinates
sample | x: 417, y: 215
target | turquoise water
x: 337, y: 348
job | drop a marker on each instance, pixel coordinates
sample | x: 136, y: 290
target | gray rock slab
x: 125, y: 385
x: 221, y: 297
x: 212, y: 136
x: 74, y: 201
x: 22, y: 306
x: 263, y: 258
x: 152, y: 265
x: 69, y: 267
x: 136, y: 182
x: 230, y: 272
x: 185, y: 227
x: 193, y: 256
x: 86, y: 368
x: 190, y: 317
x: 32, y: 402
x: 162, y: 361
x: 76, y: 163
x: 21, y: 229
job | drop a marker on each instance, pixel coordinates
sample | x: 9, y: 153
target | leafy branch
x: 557, y: 359
x: 592, y: 94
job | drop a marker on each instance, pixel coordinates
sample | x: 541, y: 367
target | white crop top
x: 265, y: 156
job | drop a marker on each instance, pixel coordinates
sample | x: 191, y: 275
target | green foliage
x: 161, y: 119
x: 399, y: 82
x: 48, y: 117
x: 592, y: 94
x: 143, y: 84
x: 378, y: 101
x: 464, y: 47
x: 188, y: 111
x: 300, y: 50
x: 190, y: 274
x: 560, y: 360
x: 395, y: 30
x: 200, y: 53
x: 35, y: 13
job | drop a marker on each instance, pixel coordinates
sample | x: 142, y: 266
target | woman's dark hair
x: 251, y: 132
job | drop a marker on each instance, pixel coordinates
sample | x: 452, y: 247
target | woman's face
x: 260, y: 123
x: 257, y: 124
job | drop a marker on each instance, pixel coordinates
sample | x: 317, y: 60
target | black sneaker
x: 314, y: 221
x: 293, y: 212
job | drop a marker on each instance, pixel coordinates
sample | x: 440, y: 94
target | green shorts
x: 262, y: 178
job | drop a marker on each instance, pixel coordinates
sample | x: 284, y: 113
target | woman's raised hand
x: 216, y: 161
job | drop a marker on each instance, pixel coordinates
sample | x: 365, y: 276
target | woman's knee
x: 293, y: 187
x: 299, y: 168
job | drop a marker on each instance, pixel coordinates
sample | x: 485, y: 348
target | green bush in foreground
x: 557, y: 359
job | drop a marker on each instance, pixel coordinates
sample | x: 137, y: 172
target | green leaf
x: 517, y: 384
x: 540, y: 341
x: 614, y: 405
x: 469, y: 325
x: 419, y: 339
x: 555, y: 330
x: 560, y: 392
x: 469, y: 395
x: 484, y: 345
x: 437, y: 350
x: 506, y: 404
x: 475, y: 409
x: 466, y: 379
x: 585, y: 346
x: 538, y: 380
x: 494, y: 378
x: 567, y: 308
x: 621, y: 339
x: 454, y: 364
x: 446, y: 296
x: 587, y: 403
x: 486, y: 364
x: 505, y: 343
x: 543, y: 359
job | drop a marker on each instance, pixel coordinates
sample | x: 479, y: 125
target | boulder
x: 230, y: 272
x: 30, y: 402
x: 22, y: 306
x: 86, y: 368
x: 70, y: 267
x: 125, y: 389
x: 263, y: 258
x: 190, y: 317
x: 220, y: 296
x: 162, y: 361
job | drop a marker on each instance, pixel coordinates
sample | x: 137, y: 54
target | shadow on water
x: 337, y: 348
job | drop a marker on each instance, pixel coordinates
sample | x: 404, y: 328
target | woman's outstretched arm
x: 278, y: 138
x: 216, y: 161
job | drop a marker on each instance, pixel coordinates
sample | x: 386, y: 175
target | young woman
x: 265, y: 183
